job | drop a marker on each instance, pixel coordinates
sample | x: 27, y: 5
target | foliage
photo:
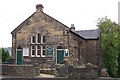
x: 109, y: 35
x: 118, y: 52
x: 4, y: 54
x: 0, y: 55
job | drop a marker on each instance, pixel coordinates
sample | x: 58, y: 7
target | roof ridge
x: 87, y: 30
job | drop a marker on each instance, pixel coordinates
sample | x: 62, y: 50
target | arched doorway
x: 60, y: 55
x: 19, y: 55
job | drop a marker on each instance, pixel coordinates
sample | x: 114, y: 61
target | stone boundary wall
x: 20, y: 70
x: 83, y: 73
x: 89, y: 72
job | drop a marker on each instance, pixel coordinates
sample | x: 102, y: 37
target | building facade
x: 44, y: 40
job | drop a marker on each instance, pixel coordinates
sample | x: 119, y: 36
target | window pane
x: 44, y: 39
x: 43, y: 47
x: 38, y: 47
x: 66, y: 54
x: 33, y: 47
x: 38, y: 52
x: 33, y: 39
x: 33, y: 52
x: 43, y: 52
x: 39, y: 38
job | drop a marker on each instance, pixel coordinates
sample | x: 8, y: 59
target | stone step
x: 47, y: 71
x: 45, y: 75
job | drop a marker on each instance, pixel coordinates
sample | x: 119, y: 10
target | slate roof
x: 89, y: 34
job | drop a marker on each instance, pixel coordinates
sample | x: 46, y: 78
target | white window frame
x: 31, y: 52
x: 42, y: 51
x: 37, y: 39
x: 37, y: 51
x: 42, y: 39
x: 32, y: 39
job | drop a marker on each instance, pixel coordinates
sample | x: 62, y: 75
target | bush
x: 4, y: 54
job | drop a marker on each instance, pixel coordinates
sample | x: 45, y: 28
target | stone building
x: 44, y: 40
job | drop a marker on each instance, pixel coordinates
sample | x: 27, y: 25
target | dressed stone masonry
x: 41, y: 39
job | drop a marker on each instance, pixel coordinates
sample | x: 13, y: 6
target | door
x: 60, y: 56
x: 19, y: 56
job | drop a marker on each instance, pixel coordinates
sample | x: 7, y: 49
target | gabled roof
x: 85, y: 34
x: 89, y: 34
x: 77, y: 34
x: 17, y: 28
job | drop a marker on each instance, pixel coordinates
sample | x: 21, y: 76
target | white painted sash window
x: 33, y: 38
x: 33, y: 51
x: 43, y: 39
x: 38, y: 38
x: 38, y: 51
x: 38, y: 48
x: 43, y: 51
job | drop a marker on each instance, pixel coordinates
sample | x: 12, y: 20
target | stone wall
x: 90, y: 51
x: 87, y: 72
x: 83, y: 73
x: 20, y: 70
x: 43, y: 62
x: 29, y: 72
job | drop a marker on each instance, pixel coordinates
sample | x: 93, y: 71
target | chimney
x: 72, y: 28
x: 39, y: 7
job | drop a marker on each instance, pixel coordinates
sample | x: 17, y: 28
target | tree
x: 0, y: 55
x: 118, y: 51
x: 4, y: 54
x: 109, y: 35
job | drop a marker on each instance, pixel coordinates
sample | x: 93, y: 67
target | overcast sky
x: 82, y: 13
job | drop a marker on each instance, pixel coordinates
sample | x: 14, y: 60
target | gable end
x: 19, y: 27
